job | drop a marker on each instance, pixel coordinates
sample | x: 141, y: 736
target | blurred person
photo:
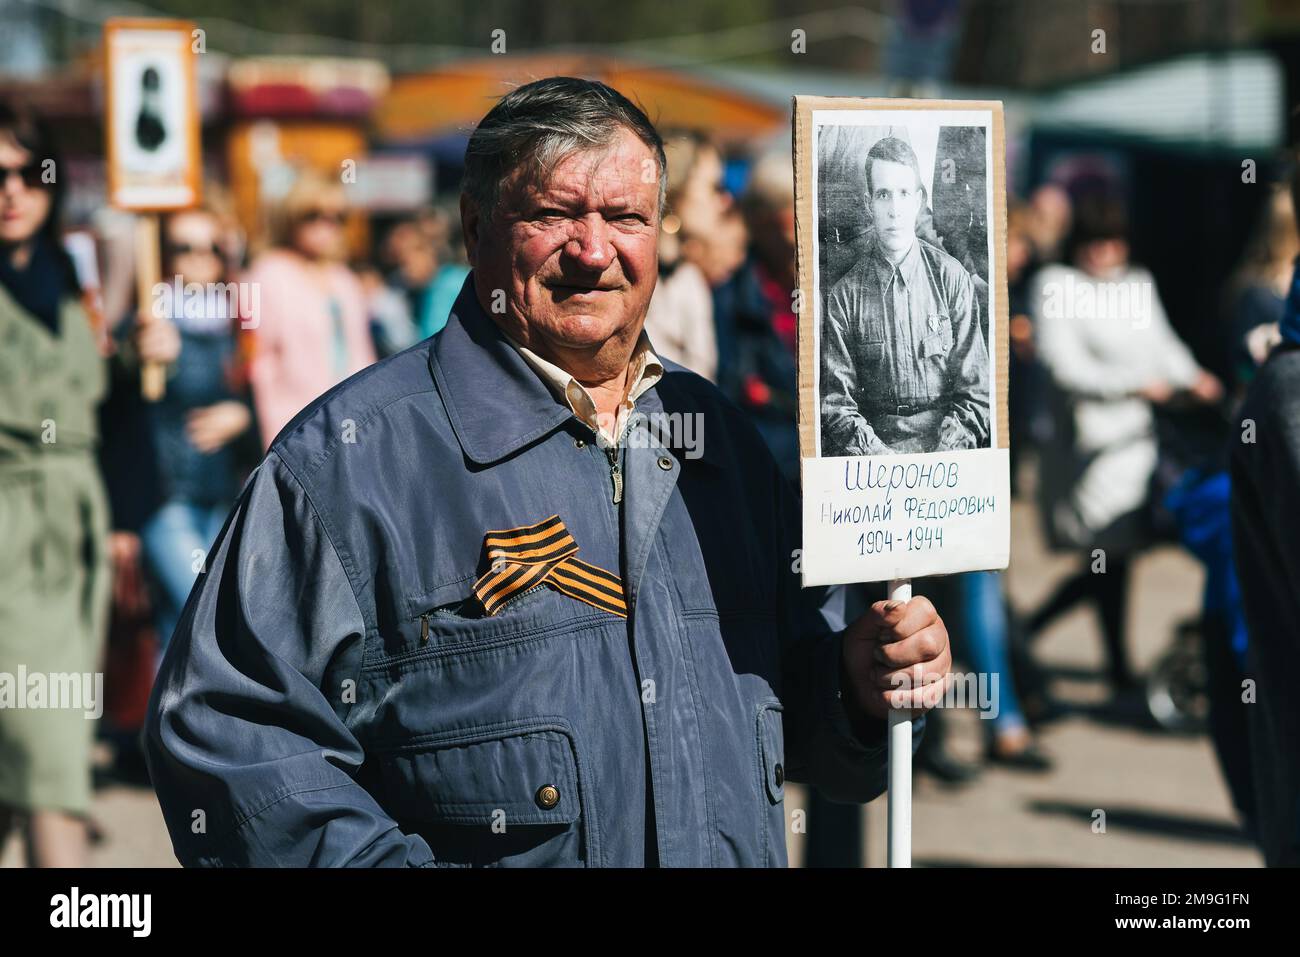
x: 443, y: 226
x: 54, y: 565
x: 1265, y: 473
x: 1049, y: 221
x: 205, y: 409
x: 1203, y: 501
x: 680, y: 319
x: 1259, y: 286
x: 1111, y: 355
x: 311, y: 329
x: 723, y: 251
x: 391, y: 326
x: 425, y: 267
x: 986, y: 641
x: 754, y: 313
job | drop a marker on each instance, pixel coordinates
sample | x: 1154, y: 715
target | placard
x: 151, y: 115
x: 900, y: 212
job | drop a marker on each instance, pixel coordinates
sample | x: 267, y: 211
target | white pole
x: 900, y: 764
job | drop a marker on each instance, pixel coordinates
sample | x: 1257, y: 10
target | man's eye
x: 549, y: 214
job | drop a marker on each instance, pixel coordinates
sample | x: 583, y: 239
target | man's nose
x: 589, y: 244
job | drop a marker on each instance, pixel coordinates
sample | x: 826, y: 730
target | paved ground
x: 1164, y: 800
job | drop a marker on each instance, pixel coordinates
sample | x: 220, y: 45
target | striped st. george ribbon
x: 544, y: 554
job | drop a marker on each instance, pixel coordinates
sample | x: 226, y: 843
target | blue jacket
x: 334, y: 696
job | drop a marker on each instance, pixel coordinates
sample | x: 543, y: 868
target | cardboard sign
x: 152, y: 115
x: 900, y: 210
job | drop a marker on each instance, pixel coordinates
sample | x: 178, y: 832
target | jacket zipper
x: 615, y: 473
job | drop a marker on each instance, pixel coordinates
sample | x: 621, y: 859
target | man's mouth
x: 576, y: 289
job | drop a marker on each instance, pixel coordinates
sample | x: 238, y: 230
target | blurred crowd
x: 1129, y: 432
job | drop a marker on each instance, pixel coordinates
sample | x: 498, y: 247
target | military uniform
x: 902, y: 352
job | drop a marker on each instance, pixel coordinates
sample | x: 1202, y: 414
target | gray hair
x: 542, y: 122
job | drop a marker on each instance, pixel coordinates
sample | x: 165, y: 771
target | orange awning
x: 453, y: 99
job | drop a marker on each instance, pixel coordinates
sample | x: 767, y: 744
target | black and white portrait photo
x: 903, y: 205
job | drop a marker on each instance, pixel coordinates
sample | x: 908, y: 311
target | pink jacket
x: 297, y: 355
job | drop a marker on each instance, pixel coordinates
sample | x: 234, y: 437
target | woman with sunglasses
x: 175, y: 483
x: 54, y: 570
x: 311, y: 329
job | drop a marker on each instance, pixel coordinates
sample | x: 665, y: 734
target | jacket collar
x: 908, y: 269
x: 495, y: 402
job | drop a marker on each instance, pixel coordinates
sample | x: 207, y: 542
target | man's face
x: 574, y: 251
x: 895, y: 203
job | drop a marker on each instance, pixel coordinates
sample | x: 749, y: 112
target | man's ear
x: 469, y: 223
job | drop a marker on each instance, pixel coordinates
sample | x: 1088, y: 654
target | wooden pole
x: 148, y: 270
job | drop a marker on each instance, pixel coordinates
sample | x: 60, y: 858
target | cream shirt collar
x: 644, y: 371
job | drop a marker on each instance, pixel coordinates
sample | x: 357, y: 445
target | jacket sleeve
x: 245, y: 735
x: 844, y: 429
x: 821, y: 746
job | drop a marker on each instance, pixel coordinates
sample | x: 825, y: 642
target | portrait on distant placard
x: 152, y: 118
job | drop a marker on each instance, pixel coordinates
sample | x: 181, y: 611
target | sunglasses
x: 30, y: 174
x: 335, y: 216
x: 186, y: 249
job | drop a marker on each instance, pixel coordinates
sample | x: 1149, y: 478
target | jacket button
x: 666, y: 463
x: 779, y: 773
x: 548, y: 795
x: 579, y: 443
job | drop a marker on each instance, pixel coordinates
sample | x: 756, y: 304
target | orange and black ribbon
x: 544, y: 554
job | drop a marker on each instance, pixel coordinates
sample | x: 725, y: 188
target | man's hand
x: 954, y: 435
x: 867, y: 443
x: 895, y: 656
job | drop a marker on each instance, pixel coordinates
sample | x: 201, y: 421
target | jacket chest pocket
x: 933, y: 351
x: 937, y: 337
x: 503, y: 795
x: 450, y: 620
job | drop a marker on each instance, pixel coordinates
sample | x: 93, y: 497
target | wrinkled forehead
x: 623, y: 172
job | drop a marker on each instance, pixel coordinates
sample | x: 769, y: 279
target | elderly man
x: 470, y: 610
x: 904, y: 365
